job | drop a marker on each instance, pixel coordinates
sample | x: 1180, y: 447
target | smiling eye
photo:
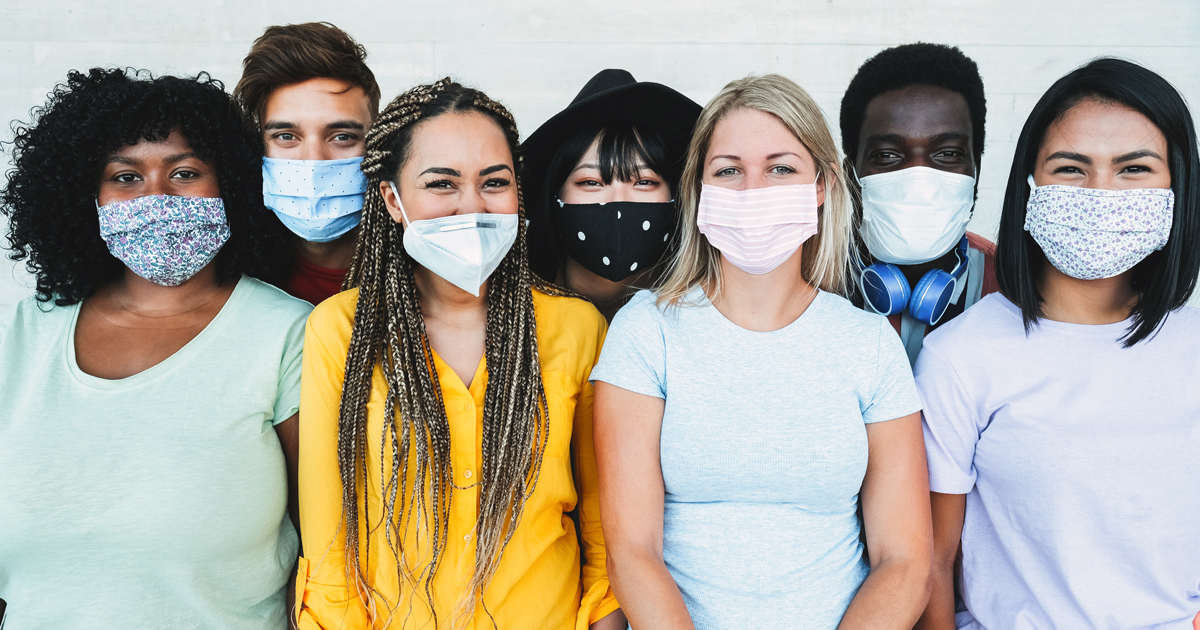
x: 443, y: 184
x: 497, y: 182
x: 1067, y: 169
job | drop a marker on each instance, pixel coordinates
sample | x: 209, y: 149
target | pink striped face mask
x: 758, y: 229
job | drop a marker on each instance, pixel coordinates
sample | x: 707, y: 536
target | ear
x: 828, y: 173
x: 392, y: 202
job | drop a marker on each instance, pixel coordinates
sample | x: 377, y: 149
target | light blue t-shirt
x: 1080, y: 459
x: 157, y: 500
x: 763, y: 450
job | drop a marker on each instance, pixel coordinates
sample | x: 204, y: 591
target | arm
x: 948, y: 513
x: 631, y: 500
x: 598, y: 608
x: 323, y: 597
x: 895, y: 496
x: 288, y: 432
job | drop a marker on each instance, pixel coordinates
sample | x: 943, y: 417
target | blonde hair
x: 827, y: 265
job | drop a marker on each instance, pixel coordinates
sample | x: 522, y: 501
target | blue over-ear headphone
x: 886, y: 289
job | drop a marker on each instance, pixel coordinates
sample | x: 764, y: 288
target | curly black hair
x: 50, y: 197
x: 913, y: 64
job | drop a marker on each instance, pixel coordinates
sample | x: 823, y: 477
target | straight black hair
x: 622, y: 147
x: 1166, y: 278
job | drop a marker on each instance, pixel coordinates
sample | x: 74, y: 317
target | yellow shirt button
x: 467, y: 474
x: 467, y: 406
x: 467, y: 538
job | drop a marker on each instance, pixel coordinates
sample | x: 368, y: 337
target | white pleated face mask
x: 916, y: 214
x: 464, y: 249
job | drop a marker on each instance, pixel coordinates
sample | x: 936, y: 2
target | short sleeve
x: 894, y: 394
x: 634, y: 352
x: 949, y: 423
x: 287, y: 397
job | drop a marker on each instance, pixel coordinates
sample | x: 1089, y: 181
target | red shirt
x: 314, y: 283
x: 977, y: 242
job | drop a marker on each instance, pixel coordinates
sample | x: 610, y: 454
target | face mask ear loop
x: 1032, y: 186
x: 400, y: 205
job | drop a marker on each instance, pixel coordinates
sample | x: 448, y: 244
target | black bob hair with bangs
x: 1166, y: 278
x: 621, y: 147
x: 50, y: 197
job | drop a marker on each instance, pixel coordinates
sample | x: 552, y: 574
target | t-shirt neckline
x: 1111, y: 331
x: 700, y: 297
x: 240, y: 291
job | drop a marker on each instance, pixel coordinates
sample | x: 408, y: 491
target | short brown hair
x: 291, y: 54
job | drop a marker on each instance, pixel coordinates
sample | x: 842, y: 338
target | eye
x: 885, y: 155
x: 1064, y: 170
x: 647, y: 182
x: 496, y: 182
x: 590, y: 183
x: 728, y: 171
x: 782, y: 169
x: 442, y: 184
x: 285, y: 137
x: 126, y: 178
x: 345, y: 137
x: 1137, y: 169
x: 185, y: 174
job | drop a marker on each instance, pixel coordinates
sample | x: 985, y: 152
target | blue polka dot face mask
x: 318, y: 200
x: 614, y: 240
x: 163, y: 238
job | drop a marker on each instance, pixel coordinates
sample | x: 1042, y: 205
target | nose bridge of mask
x: 758, y: 207
x: 314, y: 189
x: 182, y: 213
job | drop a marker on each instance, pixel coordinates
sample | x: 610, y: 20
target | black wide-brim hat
x: 612, y: 96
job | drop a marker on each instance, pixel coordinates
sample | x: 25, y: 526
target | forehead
x: 751, y: 131
x: 916, y: 111
x: 173, y: 144
x: 460, y: 137
x: 317, y: 98
x: 1097, y: 126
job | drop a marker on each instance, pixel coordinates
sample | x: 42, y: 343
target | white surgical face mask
x: 319, y: 200
x: 916, y: 214
x: 464, y: 249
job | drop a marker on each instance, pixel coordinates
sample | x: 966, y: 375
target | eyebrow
x: 1069, y: 155
x: 727, y: 157
x: 338, y: 124
x: 494, y: 169
x: 170, y: 159
x: 1136, y: 155
x: 441, y: 170
x: 895, y: 138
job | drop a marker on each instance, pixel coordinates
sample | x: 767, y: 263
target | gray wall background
x: 534, y: 55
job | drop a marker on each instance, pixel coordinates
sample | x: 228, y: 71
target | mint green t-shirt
x: 154, y: 501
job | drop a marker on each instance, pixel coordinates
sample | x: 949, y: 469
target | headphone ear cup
x: 931, y: 296
x: 884, y: 288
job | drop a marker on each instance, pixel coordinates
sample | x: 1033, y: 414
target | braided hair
x: 389, y: 333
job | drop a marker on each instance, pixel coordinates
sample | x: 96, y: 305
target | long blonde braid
x: 389, y: 331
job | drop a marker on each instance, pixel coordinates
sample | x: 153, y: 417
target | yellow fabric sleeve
x: 323, y: 599
x: 598, y: 600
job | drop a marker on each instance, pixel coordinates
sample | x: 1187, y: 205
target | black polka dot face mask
x: 615, y: 240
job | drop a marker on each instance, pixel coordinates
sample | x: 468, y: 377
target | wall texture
x: 535, y: 55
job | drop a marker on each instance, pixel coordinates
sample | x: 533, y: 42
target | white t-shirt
x: 157, y: 500
x: 1080, y: 459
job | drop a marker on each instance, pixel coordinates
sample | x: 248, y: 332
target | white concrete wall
x: 535, y: 55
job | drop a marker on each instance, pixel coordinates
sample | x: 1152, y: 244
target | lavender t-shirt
x: 1080, y: 460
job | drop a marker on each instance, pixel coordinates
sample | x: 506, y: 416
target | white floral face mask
x: 1089, y: 233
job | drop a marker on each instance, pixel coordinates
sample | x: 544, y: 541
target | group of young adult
x: 651, y: 367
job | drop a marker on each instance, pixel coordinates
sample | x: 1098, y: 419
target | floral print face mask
x: 1089, y: 233
x: 163, y: 238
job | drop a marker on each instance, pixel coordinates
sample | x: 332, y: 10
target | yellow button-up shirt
x: 540, y: 582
